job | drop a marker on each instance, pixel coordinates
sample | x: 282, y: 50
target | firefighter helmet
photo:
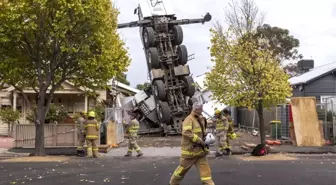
x: 92, y: 114
x: 210, y: 139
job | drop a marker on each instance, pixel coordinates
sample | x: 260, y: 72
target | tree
x: 292, y: 69
x: 246, y: 74
x: 9, y: 116
x: 47, y: 42
x: 122, y: 77
x: 283, y: 45
x: 243, y: 17
x: 143, y: 86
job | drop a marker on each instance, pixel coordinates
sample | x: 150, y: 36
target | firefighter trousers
x: 133, y: 145
x: 81, y: 141
x: 221, y: 142
x: 92, y: 147
x: 227, y: 143
x: 202, y: 166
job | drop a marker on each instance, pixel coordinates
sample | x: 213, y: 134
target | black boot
x: 228, y: 151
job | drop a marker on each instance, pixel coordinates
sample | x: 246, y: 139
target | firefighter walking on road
x: 81, y: 133
x: 230, y: 132
x: 222, y: 124
x: 132, y: 129
x: 92, y: 131
x: 193, y: 148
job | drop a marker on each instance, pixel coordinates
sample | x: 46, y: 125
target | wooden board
x: 111, y: 135
x: 305, y: 120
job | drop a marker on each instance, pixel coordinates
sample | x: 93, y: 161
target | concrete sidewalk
x: 176, y: 151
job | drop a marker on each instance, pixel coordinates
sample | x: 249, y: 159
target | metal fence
x: 278, y: 121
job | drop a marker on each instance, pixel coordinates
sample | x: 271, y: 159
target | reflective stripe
x: 205, y: 178
x: 91, y: 137
x: 129, y: 150
x: 195, y: 138
x: 91, y: 125
x: 89, y: 148
x: 197, y: 130
x: 188, y: 127
x: 178, y: 171
x: 184, y: 152
x: 95, y: 149
x: 138, y: 149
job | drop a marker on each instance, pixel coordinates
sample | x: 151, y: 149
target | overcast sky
x: 313, y: 22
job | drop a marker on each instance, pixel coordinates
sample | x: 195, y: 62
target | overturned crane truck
x: 164, y: 106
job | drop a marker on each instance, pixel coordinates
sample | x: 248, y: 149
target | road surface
x: 233, y: 170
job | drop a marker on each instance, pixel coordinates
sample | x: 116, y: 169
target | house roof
x: 313, y: 74
x: 118, y: 84
x: 124, y: 86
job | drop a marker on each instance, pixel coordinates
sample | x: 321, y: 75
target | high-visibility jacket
x: 221, y: 124
x: 192, y: 136
x: 91, y: 129
x: 132, y: 127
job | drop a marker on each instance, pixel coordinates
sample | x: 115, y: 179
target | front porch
x: 73, y: 99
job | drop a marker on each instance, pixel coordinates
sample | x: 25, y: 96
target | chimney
x: 305, y: 65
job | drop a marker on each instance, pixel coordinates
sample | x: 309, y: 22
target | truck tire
x: 189, y: 88
x: 149, y: 37
x: 163, y: 111
x: 153, y: 58
x: 178, y: 35
x: 182, y: 54
x: 159, y: 90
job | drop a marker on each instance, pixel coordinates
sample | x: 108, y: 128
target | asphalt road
x: 307, y: 170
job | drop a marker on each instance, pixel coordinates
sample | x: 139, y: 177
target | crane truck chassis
x: 165, y: 104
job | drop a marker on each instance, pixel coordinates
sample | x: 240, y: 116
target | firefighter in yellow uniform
x: 91, y: 131
x: 230, y: 132
x: 81, y: 133
x: 193, y: 148
x: 132, y: 129
x: 221, y: 123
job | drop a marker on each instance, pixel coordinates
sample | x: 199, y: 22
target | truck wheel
x: 153, y: 58
x: 178, y: 35
x: 189, y: 88
x: 182, y: 54
x: 163, y: 111
x: 159, y: 90
x: 149, y: 37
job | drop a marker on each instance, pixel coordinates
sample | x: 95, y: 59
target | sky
x: 313, y: 22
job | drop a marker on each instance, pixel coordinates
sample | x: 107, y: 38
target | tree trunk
x: 39, y: 126
x: 260, y: 110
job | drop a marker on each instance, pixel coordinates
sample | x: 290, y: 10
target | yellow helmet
x: 92, y: 114
x: 217, y: 111
x: 233, y: 136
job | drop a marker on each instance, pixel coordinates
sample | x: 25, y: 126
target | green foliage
x: 99, y: 109
x: 8, y: 115
x: 122, y: 77
x: 283, y: 45
x: 45, y: 42
x: 56, y: 113
x: 143, y: 86
x: 245, y: 72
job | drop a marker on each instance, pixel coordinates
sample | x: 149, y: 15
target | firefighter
x: 91, y: 131
x: 230, y: 132
x: 221, y: 124
x: 193, y: 148
x: 132, y: 129
x: 81, y: 133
